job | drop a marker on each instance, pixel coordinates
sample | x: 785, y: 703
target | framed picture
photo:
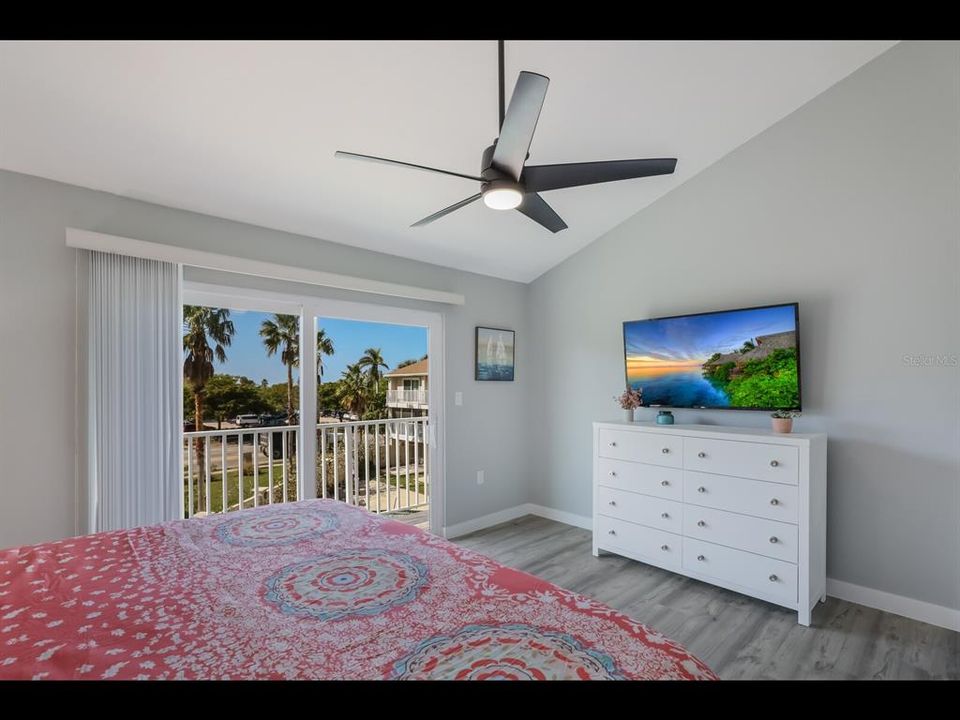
x: 495, y: 353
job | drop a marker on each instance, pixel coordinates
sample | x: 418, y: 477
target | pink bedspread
x: 315, y: 589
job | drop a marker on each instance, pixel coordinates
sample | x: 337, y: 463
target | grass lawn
x: 233, y: 486
x: 417, y: 485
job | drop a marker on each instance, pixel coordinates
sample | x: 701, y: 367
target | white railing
x: 226, y: 470
x: 381, y: 465
x: 414, y: 397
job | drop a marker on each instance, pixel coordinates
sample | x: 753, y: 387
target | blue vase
x: 664, y: 417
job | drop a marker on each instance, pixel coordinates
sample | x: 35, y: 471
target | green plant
x: 785, y: 414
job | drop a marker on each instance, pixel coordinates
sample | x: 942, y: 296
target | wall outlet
x: 480, y: 477
x: 458, y: 398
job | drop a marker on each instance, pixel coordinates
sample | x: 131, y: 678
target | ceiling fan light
x: 502, y: 197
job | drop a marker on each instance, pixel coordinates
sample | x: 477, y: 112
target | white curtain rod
x: 87, y: 240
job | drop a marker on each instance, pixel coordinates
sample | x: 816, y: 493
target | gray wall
x: 37, y: 361
x: 849, y: 206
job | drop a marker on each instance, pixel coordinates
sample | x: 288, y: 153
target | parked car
x: 269, y: 420
x: 247, y: 420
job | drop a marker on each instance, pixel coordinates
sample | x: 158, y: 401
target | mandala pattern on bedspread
x: 278, y: 528
x: 314, y: 589
x: 353, y: 582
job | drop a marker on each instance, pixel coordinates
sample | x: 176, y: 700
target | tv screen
x: 745, y: 359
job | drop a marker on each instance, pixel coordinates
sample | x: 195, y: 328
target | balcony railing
x: 227, y: 470
x: 381, y: 465
x: 410, y: 397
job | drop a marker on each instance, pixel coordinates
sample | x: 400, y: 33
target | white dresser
x: 740, y: 508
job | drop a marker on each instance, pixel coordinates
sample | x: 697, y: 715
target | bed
x: 310, y: 590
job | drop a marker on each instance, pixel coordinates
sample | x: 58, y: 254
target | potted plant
x: 630, y: 400
x: 783, y: 420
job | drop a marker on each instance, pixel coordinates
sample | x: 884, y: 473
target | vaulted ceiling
x: 247, y: 130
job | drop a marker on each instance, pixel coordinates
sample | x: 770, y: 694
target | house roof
x: 417, y: 368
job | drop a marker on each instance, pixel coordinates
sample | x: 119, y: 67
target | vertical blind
x: 133, y: 398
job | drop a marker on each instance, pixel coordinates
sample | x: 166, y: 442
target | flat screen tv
x: 747, y: 359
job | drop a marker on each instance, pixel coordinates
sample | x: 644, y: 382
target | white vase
x: 628, y: 414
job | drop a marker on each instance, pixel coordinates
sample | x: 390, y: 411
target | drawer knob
x: 774, y: 463
x: 665, y: 516
x: 613, y: 444
x: 613, y: 473
x: 701, y: 558
x: 701, y: 523
x: 774, y: 502
x: 664, y: 547
x: 612, y: 532
x: 701, y: 454
x: 665, y: 483
x: 665, y: 450
x: 701, y: 489
x: 774, y: 540
x: 773, y: 578
x: 614, y: 502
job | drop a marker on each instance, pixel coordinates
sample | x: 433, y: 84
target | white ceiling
x: 247, y: 130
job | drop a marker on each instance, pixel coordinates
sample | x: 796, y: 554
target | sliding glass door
x: 289, y: 398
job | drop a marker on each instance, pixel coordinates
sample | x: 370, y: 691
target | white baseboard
x: 897, y: 604
x: 878, y: 599
x: 485, y: 521
x: 512, y: 513
x: 568, y: 518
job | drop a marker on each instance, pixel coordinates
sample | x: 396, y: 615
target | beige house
x: 407, y: 390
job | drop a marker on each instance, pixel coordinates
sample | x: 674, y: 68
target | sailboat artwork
x: 495, y: 354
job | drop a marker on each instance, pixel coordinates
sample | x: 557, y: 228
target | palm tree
x: 324, y: 347
x: 282, y: 334
x: 354, y: 386
x: 201, y: 326
x: 373, y: 361
x: 748, y: 345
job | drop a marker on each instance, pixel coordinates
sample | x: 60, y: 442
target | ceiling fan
x: 506, y: 182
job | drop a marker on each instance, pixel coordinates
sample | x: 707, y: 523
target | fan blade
x: 537, y: 178
x: 516, y: 133
x: 536, y: 208
x: 387, y: 161
x: 446, y: 211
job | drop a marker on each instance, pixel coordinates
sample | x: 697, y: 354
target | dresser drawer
x: 638, y: 477
x: 659, y: 547
x: 766, y: 576
x: 750, y: 497
x: 760, y: 461
x: 642, y: 509
x: 642, y: 447
x: 757, y: 535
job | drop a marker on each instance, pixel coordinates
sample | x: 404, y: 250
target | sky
x: 247, y: 356
x: 692, y: 339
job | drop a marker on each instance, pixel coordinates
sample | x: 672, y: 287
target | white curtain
x: 133, y: 398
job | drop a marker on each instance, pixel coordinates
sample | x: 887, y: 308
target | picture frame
x: 494, y: 354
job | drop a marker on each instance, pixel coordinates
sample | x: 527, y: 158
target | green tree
x: 748, y: 345
x: 376, y: 403
x: 324, y: 347
x: 207, y: 332
x: 274, y: 397
x: 354, y: 389
x: 328, y: 396
x: 373, y: 363
x: 230, y: 395
x: 282, y: 335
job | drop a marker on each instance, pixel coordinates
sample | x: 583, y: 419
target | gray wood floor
x: 737, y: 636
